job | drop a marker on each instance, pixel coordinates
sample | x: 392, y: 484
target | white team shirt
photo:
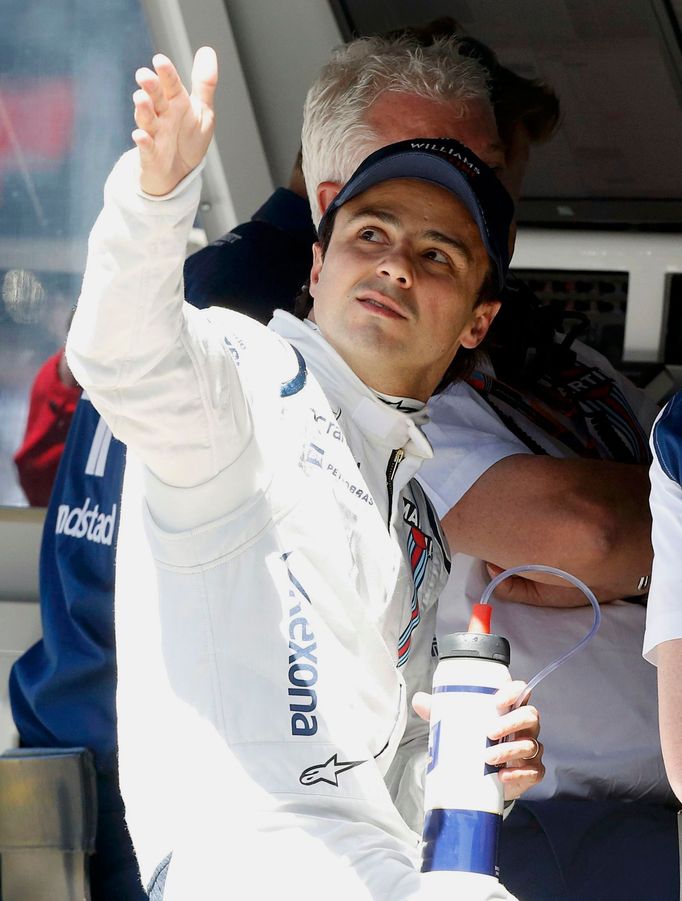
x: 606, y: 691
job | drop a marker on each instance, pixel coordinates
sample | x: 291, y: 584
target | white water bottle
x: 463, y: 798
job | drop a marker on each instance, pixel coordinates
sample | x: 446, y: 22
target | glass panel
x: 66, y: 76
x: 615, y: 66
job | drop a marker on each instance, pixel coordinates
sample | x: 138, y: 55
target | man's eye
x: 370, y: 234
x: 436, y: 255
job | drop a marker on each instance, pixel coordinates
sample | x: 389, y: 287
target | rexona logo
x: 86, y: 522
x: 302, y: 661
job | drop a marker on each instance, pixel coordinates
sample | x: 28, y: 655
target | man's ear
x: 481, y: 320
x: 316, y: 268
x: 326, y: 192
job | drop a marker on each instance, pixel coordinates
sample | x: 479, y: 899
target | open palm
x: 174, y: 128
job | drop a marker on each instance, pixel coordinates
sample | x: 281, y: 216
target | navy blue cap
x: 451, y: 165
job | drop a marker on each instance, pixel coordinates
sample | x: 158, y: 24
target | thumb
x: 205, y: 75
x: 421, y: 703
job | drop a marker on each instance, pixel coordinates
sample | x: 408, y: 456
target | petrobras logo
x: 86, y: 522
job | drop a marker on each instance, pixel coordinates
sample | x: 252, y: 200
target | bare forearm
x: 670, y: 710
x: 590, y: 518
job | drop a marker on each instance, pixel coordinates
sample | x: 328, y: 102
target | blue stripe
x: 409, y: 630
x: 478, y: 689
x: 414, y: 606
x: 420, y: 569
x: 461, y: 840
x: 292, y: 578
x: 668, y: 439
x: 293, y: 386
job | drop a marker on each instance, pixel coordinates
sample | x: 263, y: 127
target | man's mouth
x: 381, y: 304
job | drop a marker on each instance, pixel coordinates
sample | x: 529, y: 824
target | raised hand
x: 174, y: 128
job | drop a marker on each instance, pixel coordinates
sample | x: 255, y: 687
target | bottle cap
x: 480, y: 619
x: 474, y: 644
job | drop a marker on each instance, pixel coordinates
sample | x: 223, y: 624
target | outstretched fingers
x: 174, y: 129
x: 152, y: 99
x: 146, y: 121
x: 143, y: 141
x: 149, y: 104
x: 205, y: 76
x: 169, y: 81
x: 144, y: 112
x: 150, y: 85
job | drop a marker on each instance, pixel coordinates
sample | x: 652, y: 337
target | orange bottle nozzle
x: 480, y: 619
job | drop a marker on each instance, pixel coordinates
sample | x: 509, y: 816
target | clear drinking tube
x: 540, y: 568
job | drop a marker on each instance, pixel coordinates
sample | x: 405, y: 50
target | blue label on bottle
x: 467, y: 689
x: 434, y: 748
x: 461, y: 840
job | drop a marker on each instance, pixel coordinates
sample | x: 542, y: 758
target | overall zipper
x: 394, y: 461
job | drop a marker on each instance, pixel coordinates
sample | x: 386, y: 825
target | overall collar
x: 381, y: 420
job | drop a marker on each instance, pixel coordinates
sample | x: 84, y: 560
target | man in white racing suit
x: 298, y: 562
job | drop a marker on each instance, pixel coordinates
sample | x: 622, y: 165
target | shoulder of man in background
x: 261, y: 264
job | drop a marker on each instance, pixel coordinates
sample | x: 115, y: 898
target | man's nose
x: 397, y: 266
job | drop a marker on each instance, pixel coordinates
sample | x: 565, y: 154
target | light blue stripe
x: 478, y: 689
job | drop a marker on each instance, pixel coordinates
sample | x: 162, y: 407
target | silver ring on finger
x: 536, y: 750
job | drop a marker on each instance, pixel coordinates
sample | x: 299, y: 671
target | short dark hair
x: 464, y: 361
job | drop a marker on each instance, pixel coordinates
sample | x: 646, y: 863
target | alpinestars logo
x: 328, y: 772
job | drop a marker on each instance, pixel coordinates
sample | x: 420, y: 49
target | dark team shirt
x: 63, y: 688
x: 258, y: 266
